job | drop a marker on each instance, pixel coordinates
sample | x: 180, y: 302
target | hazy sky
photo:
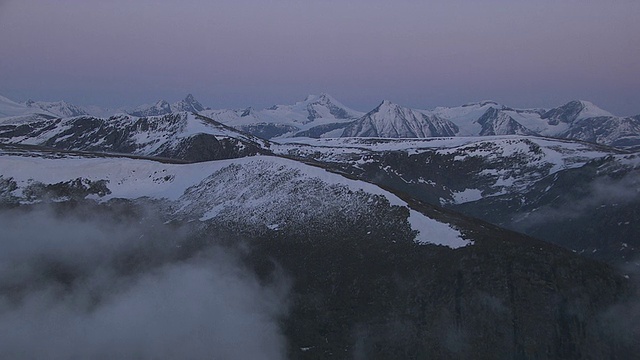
x: 236, y: 53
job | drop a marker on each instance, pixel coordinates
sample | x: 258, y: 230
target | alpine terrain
x: 314, y: 231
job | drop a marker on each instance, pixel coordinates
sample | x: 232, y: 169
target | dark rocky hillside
x: 375, y: 294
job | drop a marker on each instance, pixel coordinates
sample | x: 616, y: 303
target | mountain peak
x: 572, y: 111
x: 387, y: 103
x: 189, y: 104
x: 322, y: 98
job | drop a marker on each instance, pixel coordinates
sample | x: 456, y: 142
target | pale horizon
x: 235, y: 54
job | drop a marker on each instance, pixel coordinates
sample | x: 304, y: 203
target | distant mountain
x: 390, y: 120
x: 58, y: 108
x: 316, y: 116
x: 14, y: 112
x: 162, y: 107
x: 498, y: 122
x: 9, y: 108
x: 322, y: 116
x: 573, y: 111
x: 189, y: 104
x: 578, y: 119
x: 314, y: 108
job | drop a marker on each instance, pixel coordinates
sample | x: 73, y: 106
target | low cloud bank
x: 602, y: 192
x: 74, y: 286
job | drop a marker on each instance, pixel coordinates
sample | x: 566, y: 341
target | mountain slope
x: 58, y: 108
x: 496, y: 122
x: 538, y: 186
x: 389, y: 120
x: 573, y: 111
x: 178, y: 135
x: 11, y: 108
x: 257, y: 193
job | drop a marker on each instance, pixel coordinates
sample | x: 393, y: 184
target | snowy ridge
x: 481, y: 166
x: 465, y: 116
x: 12, y: 112
x: 314, y: 111
x: 11, y: 108
x: 58, y: 108
x: 573, y: 111
x: 267, y: 192
x: 181, y: 135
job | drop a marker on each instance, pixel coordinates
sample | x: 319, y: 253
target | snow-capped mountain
x: 496, y: 122
x: 180, y: 135
x: 189, y: 104
x: 580, y: 120
x: 13, y: 110
x: 320, y: 109
x: 573, y: 111
x: 390, y: 120
x: 316, y: 116
x: 162, y: 107
x: 322, y: 116
x: 58, y: 108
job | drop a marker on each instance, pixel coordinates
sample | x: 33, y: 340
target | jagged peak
x: 388, y: 104
x: 322, y: 98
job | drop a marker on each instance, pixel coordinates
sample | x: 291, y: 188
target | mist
x: 105, y: 286
x: 602, y: 192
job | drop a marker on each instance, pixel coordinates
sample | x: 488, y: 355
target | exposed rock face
x: 567, y: 113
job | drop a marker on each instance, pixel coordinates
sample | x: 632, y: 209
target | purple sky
x: 236, y: 53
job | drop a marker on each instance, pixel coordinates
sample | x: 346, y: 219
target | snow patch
x: 467, y: 195
x: 434, y: 232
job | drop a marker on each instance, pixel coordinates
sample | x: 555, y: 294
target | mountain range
x: 478, y: 231
x: 322, y: 116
